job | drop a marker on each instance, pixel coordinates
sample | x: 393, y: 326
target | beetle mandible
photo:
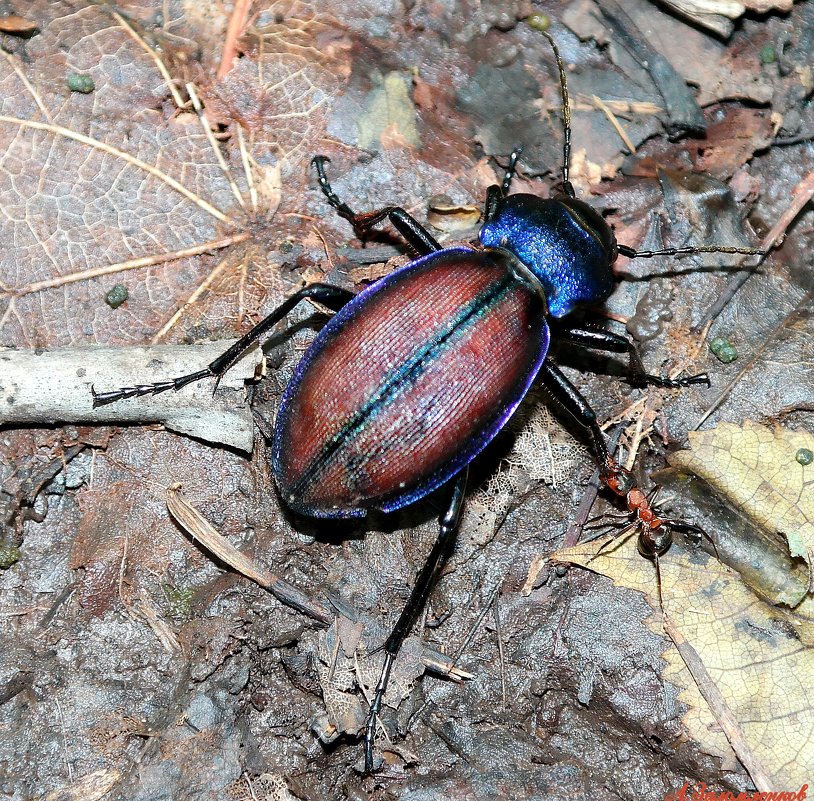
x: 415, y: 375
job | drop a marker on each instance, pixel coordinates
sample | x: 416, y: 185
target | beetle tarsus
x: 139, y: 390
x: 375, y: 707
x: 670, y: 383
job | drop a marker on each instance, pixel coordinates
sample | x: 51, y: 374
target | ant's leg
x: 448, y: 524
x: 416, y: 235
x: 331, y: 296
x: 597, y: 339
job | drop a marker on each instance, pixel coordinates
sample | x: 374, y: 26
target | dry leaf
x: 759, y: 657
x: 19, y: 25
x: 760, y: 471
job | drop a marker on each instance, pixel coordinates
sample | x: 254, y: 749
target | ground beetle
x: 413, y: 377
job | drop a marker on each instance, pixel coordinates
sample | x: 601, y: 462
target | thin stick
x: 159, y: 64
x: 123, y: 266
x: 237, y: 24
x: 193, y: 298
x: 247, y: 167
x: 210, y: 137
x: 199, y: 528
x: 802, y: 195
x: 59, y: 130
x: 32, y: 91
x: 192, y: 521
x: 718, y: 706
x: 600, y: 104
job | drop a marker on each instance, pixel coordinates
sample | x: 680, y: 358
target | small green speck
x: 540, y: 22
x: 80, y: 83
x: 804, y: 456
x: 723, y: 350
x: 768, y: 55
x: 8, y: 556
x: 179, y: 601
x: 116, y: 296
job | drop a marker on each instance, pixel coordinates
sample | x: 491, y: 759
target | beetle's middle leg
x: 448, y: 524
x: 416, y: 235
x: 333, y: 297
x: 569, y: 398
x: 596, y: 339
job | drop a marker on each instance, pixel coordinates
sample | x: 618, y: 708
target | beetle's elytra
x: 415, y: 375
x: 408, y: 383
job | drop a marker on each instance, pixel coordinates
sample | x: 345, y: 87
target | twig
x: 194, y: 523
x: 615, y: 123
x: 160, y: 66
x: 47, y: 386
x: 574, y: 531
x: 501, y: 655
x: 718, y: 706
x: 245, y: 158
x: 126, y: 157
x: 31, y: 90
x: 199, y: 528
x: 237, y: 24
x: 122, y: 266
x: 193, y: 298
x: 210, y: 137
x: 802, y: 195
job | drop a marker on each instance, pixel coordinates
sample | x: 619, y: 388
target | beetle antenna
x: 689, y: 250
x: 566, y: 117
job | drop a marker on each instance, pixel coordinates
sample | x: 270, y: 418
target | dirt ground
x: 134, y: 664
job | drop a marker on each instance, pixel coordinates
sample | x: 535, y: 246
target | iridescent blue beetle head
x: 565, y: 243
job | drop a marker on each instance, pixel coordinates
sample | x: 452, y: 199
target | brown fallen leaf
x: 17, y: 25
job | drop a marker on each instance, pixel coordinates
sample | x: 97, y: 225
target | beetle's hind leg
x: 596, y: 339
x: 331, y: 296
x: 448, y: 524
x: 416, y: 235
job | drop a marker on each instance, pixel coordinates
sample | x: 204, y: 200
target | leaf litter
x: 296, y: 58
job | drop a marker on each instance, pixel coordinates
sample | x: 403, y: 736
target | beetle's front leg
x: 448, y: 524
x: 416, y: 235
x: 597, y: 339
x: 331, y: 296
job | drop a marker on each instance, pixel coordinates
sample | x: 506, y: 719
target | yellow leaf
x: 759, y: 657
x: 760, y: 471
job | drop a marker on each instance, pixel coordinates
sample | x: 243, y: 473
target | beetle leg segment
x: 567, y: 395
x: 495, y: 193
x: 596, y: 339
x: 448, y: 524
x: 416, y: 235
x: 611, y: 473
x: 331, y: 296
